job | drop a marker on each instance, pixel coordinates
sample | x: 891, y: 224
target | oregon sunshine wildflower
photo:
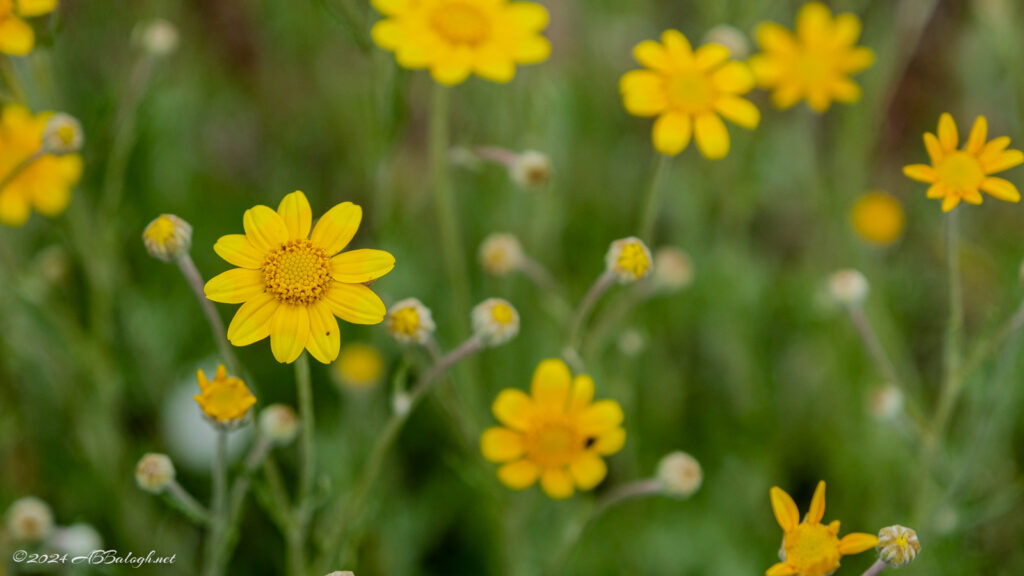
x: 690, y: 92
x: 167, y: 237
x: 962, y: 174
x: 456, y: 38
x: 815, y: 63
x: 557, y: 434
x: 292, y: 283
x: 225, y: 400
x: 810, y: 548
x: 16, y: 35
x: 31, y: 177
x: 878, y: 218
x: 409, y: 321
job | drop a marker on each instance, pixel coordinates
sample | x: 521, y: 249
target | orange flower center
x: 812, y: 550
x: 461, y: 23
x: 297, y: 273
x: 960, y: 171
x: 554, y: 441
x: 691, y: 91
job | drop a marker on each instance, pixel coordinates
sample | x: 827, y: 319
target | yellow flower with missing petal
x: 16, y: 36
x: 959, y: 174
x: 690, y: 92
x: 292, y: 283
x: 816, y: 63
x: 810, y: 548
x: 30, y: 179
x: 558, y: 435
x: 225, y: 400
x: 456, y: 38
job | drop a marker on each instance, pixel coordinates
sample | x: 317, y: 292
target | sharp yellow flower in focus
x: 690, y: 92
x: 558, y: 435
x: 225, y: 400
x: 30, y: 179
x: 810, y: 548
x: 16, y: 36
x: 292, y: 283
x: 878, y: 218
x: 456, y: 38
x: 359, y: 366
x: 815, y: 63
x: 962, y: 174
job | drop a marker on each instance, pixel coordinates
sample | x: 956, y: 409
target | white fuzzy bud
x: 680, y: 474
x: 279, y: 424
x: 154, y: 473
x: 848, y: 287
x: 29, y: 520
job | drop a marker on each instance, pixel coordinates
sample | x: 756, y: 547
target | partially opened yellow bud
x: 629, y: 259
x: 168, y: 237
x: 501, y: 253
x: 62, y: 135
x: 495, y: 321
x: 225, y: 400
x: 409, y: 321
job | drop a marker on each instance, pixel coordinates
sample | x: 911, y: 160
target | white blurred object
x: 76, y: 540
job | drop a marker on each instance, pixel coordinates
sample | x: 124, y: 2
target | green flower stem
x: 181, y: 499
x: 124, y: 133
x: 986, y: 349
x: 296, y: 538
x: 875, y: 568
x: 653, y: 202
x: 953, y: 354
x: 195, y: 281
x: 236, y: 500
x: 218, y: 506
x: 600, y: 286
x: 10, y: 79
x: 555, y: 300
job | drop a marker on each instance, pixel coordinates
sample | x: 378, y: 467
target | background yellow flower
x: 878, y: 218
x: 225, y: 399
x: 16, y: 36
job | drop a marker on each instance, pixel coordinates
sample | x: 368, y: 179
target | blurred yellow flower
x: 225, y: 400
x: 957, y: 175
x: 628, y: 259
x: 30, y: 179
x: 167, y: 237
x: 558, y: 435
x: 292, y: 284
x: 359, y: 365
x: 878, y: 218
x: 810, y: 548
x: 456, y: 38
x: 409, y: 321
x: 816, y: 63
x: 689, y: 91
x: 16, y: 36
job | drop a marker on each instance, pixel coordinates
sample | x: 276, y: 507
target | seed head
x: 531, y: 169
x: 848, y: 287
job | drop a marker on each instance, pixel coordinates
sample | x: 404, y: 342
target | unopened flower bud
x: 531, y: 169
x: 886, y: 403
x: 154, y: 473
x: 848, y: 287
x: 673, y: 269
x: 733, y: 40
x: 629, y: 259
x: 897, y: 545
x: 495, y: 321
x: 62, y: 135
x: 409, y: 321
x: 501, y: 253
x: 279, y: 424
x: 168, y: 237
x: 29, y: 520
x: 158, y: 37
x: 679, y: 474
x: 631, y: 342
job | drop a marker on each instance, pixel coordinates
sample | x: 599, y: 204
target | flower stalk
x: 219, y: 507
x: 875, y: 568
x: 195, y: 282
x: 579, y: 320
x: 653, y: 200
x: 307, y: 454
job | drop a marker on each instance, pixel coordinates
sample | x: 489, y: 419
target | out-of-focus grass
x: 747, y: 369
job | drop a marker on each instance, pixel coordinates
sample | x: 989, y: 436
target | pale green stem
x: 236, y: 500
x: 653, y: 201
x: 875, y: 568
x: 579, y: 321
x: 185, y: 502
x: 952, y: 383
x: 218, y: 506
x: 195, y: 281
x: 124, y: 133
x: 10, y: 79
x: 307, y: 454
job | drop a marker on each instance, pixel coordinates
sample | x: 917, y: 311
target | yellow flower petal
x: 817, y: 509
x: 645, y: 102
x: 712, y: 136
x: 600, y: 417
x: 501, y: 444
x: 858, y: 59
x: 1005, y: 161
x: 527, y: 16
x: 450, y: 71
x: 772, y: 37
x: 519, y: 475
x: 495, y: 67
x: 948, y: 136
x: 819, y: 99
x: 14, y: 208
x: 979, y: 133
x: 652, y: 55
x: 846, y: 90
x: 358, y: 266
x: 936, y: 191
x: 289, y: 333
x: 856, y: 543
x: 16, y: 36
x: 671, y: 134
x: 711, y: 55
x: 677, y: 46
x: 513, y: 408
x: 238, y: 251
x: 972, y: 196
x: 833, y: 526
x: 235, y: 286
x: 532, y: 50
x: 388, y: 34
x: 814, y: 23
x: 389, y: 7
x: 355, y: 303
x: 588, y: 471
x: 641, y: 80
x: 264, y: 228
x: 335, y: 229
x: 739, y: 110
x: 786, y: 513
x: 1001, y: 189
x: 557, y: 483
x: 935, y: 153
x: 920, y: 172
x: 610, y: 442
x: 780, y: 569
x: 32, y: 8
x: 297, y: 215
x: 950, y: 202
x: 324, y: 335
x: 993, y: 150
x: 253, y: 320
x: 847, y: 30
x: 550, y: 386
x: 582, y: 393
x: 733, y: 78
x: 787, y: 96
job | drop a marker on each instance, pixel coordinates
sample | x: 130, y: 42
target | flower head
x: 689, y: 91
x: 531, y: 169
x: 62, y: 135
x: 848, y: 287
x: 815, y: 63
x: 159, y: 37
x: 629, y: 259
x: 558, y: 434
x: 29, y: 519
x: 30, y: 177
x: 495, y: 321
x: 959, y: 174
x: 225, y: 400
x: 154, y: 473
x: 409, y: 321
x: 359, y: 365
x: 16, y: 35
x: 898, y: 545
x: 679, y: 474
x: 456, y: 38
x: 279, y: 423
x: 810, y: 548
x: 878, y: 218
x: 501, y: 253
x: 292, y: 283
x: 167, y: 237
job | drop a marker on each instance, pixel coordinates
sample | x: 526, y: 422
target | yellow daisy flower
x: 16, y: 36
x: 29, y: 179
x: 292, y: 284
x: 816, y: 63
x: 810, y: 548
x: 558, y: 435
x: 224, y: 400
x: 456, y: 38
x: 957, y: 175
x: 878, y: 218
x: 689, y: 91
